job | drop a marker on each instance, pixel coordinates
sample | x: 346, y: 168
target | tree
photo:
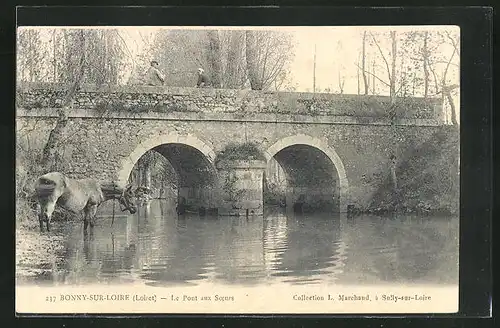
x: 358, y: 69
x: 446, y: 90
x: 268, y: 54
x: 73, y: 57
x: 252, y: 60
x: 231, y: 58
x: 425, y: 58
x: 30, y: 53
x: 314, y: 70
x: 392, y: 75
x: 341, y: 80
x: 373, y: 78
x: 340, y: 68
x: 383, y: 68
x: 179, y: 53
x: 76, y: 72
x: 284, y: 82
x: 431, y: 54
x: 235, y: 69
x: 363, y: 63
x: 142, y: 60
x: 214, y: 58
x: 108, y: 50
x: 389, y: 69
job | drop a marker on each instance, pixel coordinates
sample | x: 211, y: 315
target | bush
x: 241, y: 152
x: 26, y: 216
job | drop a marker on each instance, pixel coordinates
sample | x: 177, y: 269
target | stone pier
x: 241, y: 184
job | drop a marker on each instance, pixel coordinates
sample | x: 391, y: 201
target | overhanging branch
x: 375, y: 76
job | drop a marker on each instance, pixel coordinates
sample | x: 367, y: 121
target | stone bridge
x: 338, y: 144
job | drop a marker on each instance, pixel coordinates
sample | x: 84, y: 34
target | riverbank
x: 36, y: 253
x: 428, y: 179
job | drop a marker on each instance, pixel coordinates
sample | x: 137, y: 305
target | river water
x: 158, y: 248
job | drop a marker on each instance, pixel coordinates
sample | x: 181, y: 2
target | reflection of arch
x: 302, y: 139
x: 189, y: 140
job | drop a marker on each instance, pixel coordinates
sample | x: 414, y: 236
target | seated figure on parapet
x: 154, y: 76
x: 202, y: 79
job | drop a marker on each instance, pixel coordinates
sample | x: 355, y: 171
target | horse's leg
x: 40, y: 219
x: 92, y: 214
x: 85, y: 219
x: 50, y: 209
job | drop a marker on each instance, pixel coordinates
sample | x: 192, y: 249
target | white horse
x: 77, y: 196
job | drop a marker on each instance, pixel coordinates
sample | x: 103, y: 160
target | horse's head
x: 127, y: 200
x: 142, y: 191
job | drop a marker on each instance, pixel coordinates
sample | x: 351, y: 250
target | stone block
x: 241, y: 186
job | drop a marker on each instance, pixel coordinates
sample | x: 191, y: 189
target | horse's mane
x: 45, y: 181
x: 111, y: 189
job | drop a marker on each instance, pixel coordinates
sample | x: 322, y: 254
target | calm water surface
x: 157, y: 247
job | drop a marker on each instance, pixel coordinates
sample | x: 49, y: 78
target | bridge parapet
x: 132, y: 98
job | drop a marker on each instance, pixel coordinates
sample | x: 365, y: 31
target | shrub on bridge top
x: 245, y: 151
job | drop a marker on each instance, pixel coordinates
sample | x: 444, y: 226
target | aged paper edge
x: 234, y: 299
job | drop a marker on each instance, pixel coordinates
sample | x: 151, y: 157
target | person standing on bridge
x: 202, y: 79
x: 153, y: 76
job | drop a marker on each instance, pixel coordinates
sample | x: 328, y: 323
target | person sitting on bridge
x: 153, y: 76
x: 202, y: 79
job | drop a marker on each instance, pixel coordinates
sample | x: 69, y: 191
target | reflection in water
x: 402, y: 249
x: 158, y: 247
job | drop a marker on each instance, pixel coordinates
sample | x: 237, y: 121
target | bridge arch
x: 329, y: 151
x: 190, y: 140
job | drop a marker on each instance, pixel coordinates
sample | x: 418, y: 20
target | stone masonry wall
x: 138, y: 99
x: 96, y: 147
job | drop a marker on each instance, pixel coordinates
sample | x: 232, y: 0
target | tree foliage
x: 52, y: 55
x: 268, y: 53
x: 30, y: 53
x: 416, y: 62
x: 231, y: 58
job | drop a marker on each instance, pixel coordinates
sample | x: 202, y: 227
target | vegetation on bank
x: 28, y: 169
x: 428, y: 177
